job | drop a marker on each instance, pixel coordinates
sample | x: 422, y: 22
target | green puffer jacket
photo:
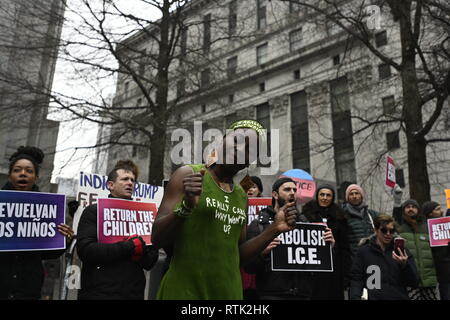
x: 419, y: 245
x: 359, y: 227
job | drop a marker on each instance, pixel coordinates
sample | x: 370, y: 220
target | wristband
x: 181, y: 210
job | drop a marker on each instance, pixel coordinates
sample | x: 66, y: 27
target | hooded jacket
x: 108, y: 271
x: 394, y: 277
x: 21, y: 272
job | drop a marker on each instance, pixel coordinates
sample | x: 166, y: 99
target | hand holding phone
x: 399, y: 243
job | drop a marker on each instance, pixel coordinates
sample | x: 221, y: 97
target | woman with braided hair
x: 21, y: 272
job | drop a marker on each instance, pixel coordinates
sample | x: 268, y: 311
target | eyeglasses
x: 386, y: 230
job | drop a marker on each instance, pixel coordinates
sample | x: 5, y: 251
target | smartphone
x: 399, y: 243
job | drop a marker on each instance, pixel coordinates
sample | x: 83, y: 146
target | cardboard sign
x: 92, y: 186
x: 118, y: 219
x: 439, y: 231
x: 306, y: 186
x: 390, y: 172
x: 29, y: 221
x: 255, y: 205
x: 303, y: 249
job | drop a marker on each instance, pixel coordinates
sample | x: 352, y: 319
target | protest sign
x: 119, y: 219
x: 390, y: 172
x: 306, y: 186
x: 439, y: 231
x: 92, y: 186
x: 255, y: 205
x: 29, y: 220
x: 303, y: 249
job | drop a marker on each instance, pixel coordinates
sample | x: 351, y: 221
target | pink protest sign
x: 390, y: 172
x: 119, y: 219
x: 255, y: 205
x: 439, y: 231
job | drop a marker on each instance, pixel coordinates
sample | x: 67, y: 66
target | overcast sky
x: 69, y: 81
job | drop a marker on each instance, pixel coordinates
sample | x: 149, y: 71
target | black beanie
x: 428, y: 207
x: 258, y: 182
x: 410, y: 201
x: 277, y: 184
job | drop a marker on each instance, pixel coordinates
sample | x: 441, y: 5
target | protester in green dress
x: 201, y: 221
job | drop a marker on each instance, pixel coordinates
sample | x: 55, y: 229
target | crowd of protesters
x: 208, y: 263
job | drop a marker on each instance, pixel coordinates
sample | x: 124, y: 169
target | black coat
x: 282, y: 284
x: 332, y: 285
x: 107, y: 270
x: 21, y: 272
x: 394, y: 277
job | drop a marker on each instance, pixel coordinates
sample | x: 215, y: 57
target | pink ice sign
x: 306, y: 186
x: 118, y: 219
x: 439, y: 231
x: 390, y: 172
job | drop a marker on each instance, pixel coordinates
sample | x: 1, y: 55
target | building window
x: 297, y: 74
x: 393, y: 140
x: 203, y: 108
x: 344, y: 153
x: 231, y: 98
x: 205, y: 78
x: 181, y: 88
x: 388, y: 105
x: 134, y: 151
x: 262, y: 87
x: 125, y: 89
x: 400, y: 177
x: 261, y: 54
x: 261, y: 14
x: 183, y: 44
x: 336, y: 60
x: 295, y: 39
x: 232, y: 17
x: 384, y: 71
x: 139, y: 102
x: 142, y: 61
x: 381, y: 39
x: 231, y: 67
x: 206, y: 33
x: 300, y: 131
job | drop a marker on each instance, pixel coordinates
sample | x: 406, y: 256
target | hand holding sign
x: 275, y: 242
x: 286, y: 217
x: 193, y: 186
x: 328, y: 237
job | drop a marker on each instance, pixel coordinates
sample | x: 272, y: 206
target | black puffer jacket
x: 394, y: 277
x: 22, y: 273
x: 283, y: 284
x: 331, y: 286
x: 107, y: 270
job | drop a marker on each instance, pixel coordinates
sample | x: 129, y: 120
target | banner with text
x: 303, y: 249
x: 92, y: 186
x: 119, y: 219
x: 255, y: 205
x: 439, y: 231
x: 29, y: 220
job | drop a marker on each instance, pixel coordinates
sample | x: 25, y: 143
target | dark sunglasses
x: 386, y: 230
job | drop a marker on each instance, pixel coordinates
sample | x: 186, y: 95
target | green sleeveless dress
x: 205, y: 260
